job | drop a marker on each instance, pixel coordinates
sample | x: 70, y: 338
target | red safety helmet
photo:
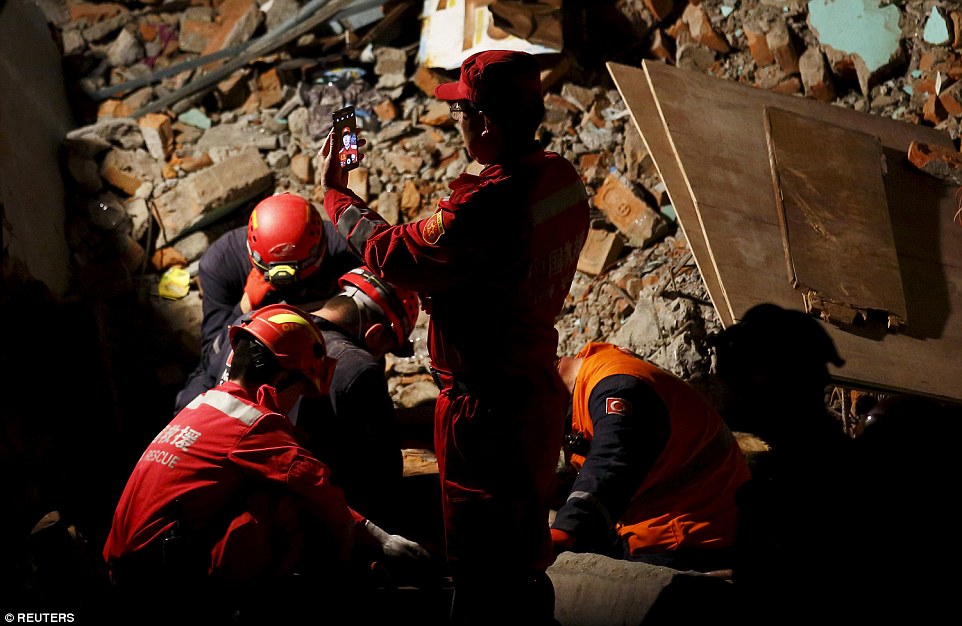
x: 399, y: 305
x: 293, y: 338
x: 285, y: 238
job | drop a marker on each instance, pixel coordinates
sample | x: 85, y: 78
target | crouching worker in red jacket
x: 226, y: 508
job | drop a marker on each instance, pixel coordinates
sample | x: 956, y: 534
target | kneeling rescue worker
x: 225, y: 495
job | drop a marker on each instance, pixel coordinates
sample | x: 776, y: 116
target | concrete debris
x: 259, y: 130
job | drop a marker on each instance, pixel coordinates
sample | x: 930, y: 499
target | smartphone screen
x: 345, y: 137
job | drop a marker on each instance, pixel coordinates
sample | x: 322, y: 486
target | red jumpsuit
x: 493, y: 266
x: 212, y: 471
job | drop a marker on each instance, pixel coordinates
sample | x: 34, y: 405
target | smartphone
x: 345, y: 137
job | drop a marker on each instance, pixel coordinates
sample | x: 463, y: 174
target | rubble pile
x: 166, y: 159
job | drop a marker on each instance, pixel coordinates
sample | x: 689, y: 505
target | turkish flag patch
x: 617, y: 406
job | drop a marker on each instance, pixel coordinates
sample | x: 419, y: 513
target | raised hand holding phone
x: 345, y: 138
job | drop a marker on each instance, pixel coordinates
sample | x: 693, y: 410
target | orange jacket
x: 686, y: 497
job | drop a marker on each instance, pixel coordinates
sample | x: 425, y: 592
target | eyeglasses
x: 460, y: 108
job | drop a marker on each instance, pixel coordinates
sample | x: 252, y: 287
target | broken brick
x: 158, y: 134
x: 303, y: 167
x: 601, y: 249
x: 951, y: 99
x: 702, y: 32
x: 660, y: 47
x: 783, y: 48
x: 410, y: 198
x: 933, y: 110
x: 639, y: 222
x: 236, y: 22
x: 427, y: 80
x: 270, y: 90
x: 956, y: 29
x: 816, y: 79
x: 758, y: 46
x: 660, y: 8
x: 936, y: 161
x: 386, y: 111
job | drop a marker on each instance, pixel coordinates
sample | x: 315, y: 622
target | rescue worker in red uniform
x: 658, y: 467
x: 226, y: 495
x: 500, y: 252
x: 354, y: 428
x: 286, y: 253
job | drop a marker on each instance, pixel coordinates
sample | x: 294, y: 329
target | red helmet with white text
x: 399, y: 305
x: 291, y: 336
x: 285, y: 238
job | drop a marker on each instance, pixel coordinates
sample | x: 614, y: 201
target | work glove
x: 396, y: 546
x: 561, y: 541
x: 255, y: 291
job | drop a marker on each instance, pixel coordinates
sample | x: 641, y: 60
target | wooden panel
x: 715, y: 151
x: 834, y: 218
x: 635, y: 90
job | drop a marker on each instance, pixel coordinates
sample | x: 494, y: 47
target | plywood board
x: 834, y: 216
x: 644, y: 113
x: 714, y: 150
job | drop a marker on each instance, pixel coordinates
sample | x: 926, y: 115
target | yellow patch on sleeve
x: 433, y: 228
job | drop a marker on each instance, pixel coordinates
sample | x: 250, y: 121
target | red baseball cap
x: 495, y: 79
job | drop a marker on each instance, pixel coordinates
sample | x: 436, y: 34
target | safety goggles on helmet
x: 398, y: 305
x: 293, y: 338
x: 285, y: 238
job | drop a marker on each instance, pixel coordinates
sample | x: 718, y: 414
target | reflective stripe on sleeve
x: 348, y: 220
x: 227, y: 404
x: 590, y: 499
x: 556, y: 203
x: 356, y: 224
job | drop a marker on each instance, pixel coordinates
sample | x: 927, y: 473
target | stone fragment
x: 816, y: 79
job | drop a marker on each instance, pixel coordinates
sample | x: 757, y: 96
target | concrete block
x: 232, y: 181
x: 237, y: 135
x: 125, y: 49
x: 594, y: 590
